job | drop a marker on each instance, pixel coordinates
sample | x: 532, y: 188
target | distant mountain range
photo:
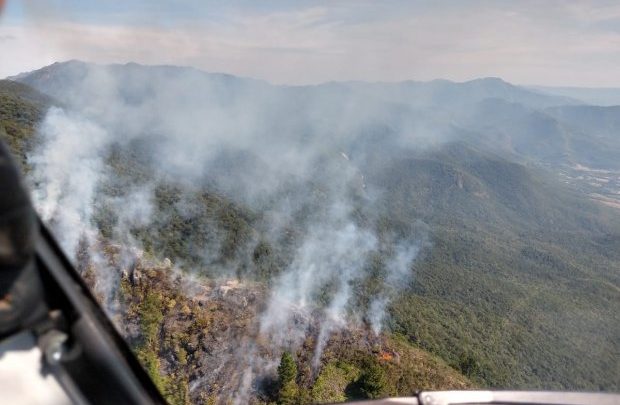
x: 52, y: 79
x: 496, y: 115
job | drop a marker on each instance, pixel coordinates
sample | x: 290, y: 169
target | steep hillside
x: 193, y: 338
x: 513, y: 254
x: 597, y: 132
x: 565, y: 135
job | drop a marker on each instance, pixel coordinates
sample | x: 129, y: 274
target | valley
x: 601, y: 185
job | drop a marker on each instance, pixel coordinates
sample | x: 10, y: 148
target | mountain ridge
x: 494, y: 84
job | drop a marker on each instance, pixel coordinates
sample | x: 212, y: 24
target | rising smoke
x: 295, y: 155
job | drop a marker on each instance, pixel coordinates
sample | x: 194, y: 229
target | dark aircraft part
x: 41, y: 293
x: 20, y: 286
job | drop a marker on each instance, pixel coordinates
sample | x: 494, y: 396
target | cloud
x: 555, y: 43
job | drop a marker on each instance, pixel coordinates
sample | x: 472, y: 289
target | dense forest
x: 469, y: 262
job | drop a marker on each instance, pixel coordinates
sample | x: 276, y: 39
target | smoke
x: 332, y: 256
x: 66, y: 169
x: 399, y: 276
x: 296, y: 157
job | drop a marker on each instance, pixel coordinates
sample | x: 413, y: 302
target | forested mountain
x: 440, y: 234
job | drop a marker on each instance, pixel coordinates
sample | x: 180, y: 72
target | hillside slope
x: 194, y: 345
x: 522, y: 276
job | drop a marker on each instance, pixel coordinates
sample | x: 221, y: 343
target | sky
x: 546, y: 42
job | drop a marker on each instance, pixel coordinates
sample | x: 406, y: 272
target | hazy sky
x: 548, y: 42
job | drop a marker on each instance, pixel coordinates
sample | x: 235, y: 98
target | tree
x: 288, y: 394
x: 373, y: 380
x: 288, y: 390
x: 287, y: 370
x: 470, y: 366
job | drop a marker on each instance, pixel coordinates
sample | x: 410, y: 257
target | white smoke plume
x: 293, y: 158
x: 333, y: 255
x: 67, y: 164
x: 399, y: 275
